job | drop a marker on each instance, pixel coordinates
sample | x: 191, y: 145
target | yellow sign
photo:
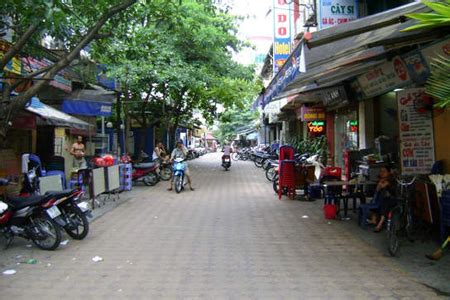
x: 60, y: 132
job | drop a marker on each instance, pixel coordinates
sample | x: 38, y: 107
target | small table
x: 340, y: 183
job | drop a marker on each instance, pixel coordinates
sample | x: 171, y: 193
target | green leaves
x: 440, y: 17
x: 438, y: 84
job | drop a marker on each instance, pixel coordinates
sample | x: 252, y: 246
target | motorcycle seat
x: 144, y: 165
x: 21, y: 202
x: 61, y: 194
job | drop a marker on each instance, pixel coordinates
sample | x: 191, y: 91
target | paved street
x: 230, y: 238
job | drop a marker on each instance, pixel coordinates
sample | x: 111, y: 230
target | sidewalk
x: 22, y: 250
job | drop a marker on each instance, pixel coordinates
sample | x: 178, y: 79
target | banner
x: 384, y: 78
x: 281, y: 33
x: 416, y: 132
x: 335, y: 12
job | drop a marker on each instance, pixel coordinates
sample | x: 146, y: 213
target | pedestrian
x: 78, y: 152
x: 181, y: 152
x: 385, y: 190
x: 159, y: 153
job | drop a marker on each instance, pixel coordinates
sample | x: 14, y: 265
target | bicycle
x: 401, y: 216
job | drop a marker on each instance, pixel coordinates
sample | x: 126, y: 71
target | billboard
x: 281, y: 33
x: 335, y: 12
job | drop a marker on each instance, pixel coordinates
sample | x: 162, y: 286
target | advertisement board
x: 415, y: 132
x: 384, y: 78
x: 335, y: 12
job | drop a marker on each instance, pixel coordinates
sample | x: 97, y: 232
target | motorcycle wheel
x: 275, y: 186
x: 258, y: 163
x: 178, y: 183
x: 270, y: 174
x: 150, y: 179
x: 44, y: 225
x: 392, y: 237
x: 235, y: 156
x: 78, y: 226
x: 166, y: 173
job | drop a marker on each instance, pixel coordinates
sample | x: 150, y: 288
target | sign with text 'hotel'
x: 335, y: 12
x: 281, y: 34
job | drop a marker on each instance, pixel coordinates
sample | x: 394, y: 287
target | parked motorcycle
x: 32, y: 218
x: 146, y: 172
x: 178, y: 173
x: 74, y: 213
x: 226, y: 162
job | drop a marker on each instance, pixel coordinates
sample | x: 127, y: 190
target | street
x: 230, y: 238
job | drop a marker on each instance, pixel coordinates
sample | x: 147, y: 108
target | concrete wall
x: 441, y: 123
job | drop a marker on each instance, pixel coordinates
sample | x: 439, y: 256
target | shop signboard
x: 14, y: 65
x: 434, y: 51
x: 316, y: 127
x: 59, y: 81
x: 311, y: 113
x: 416, y: 132
x: 417, y: 67
x: 335, y: 12
x: 282, y: 33
x: 384, y: 78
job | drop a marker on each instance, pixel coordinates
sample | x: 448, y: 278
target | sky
x: 256, y: 28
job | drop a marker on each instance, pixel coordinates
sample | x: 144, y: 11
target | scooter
x: 32, y: 218
x: 146, y: 172
x: 226, y: 162
x: 178, y: 173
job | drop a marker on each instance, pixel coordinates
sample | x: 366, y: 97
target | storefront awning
x: 89, y: 102
x: 52, y: 116
x: 345, y: 51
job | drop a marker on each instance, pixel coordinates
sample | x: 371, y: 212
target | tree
x: 180, y: 62
x: 438, y: 83
x: 75, y: 25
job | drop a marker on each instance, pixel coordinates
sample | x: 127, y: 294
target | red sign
x: 316, y: 127
x: 311, y: 113
x: 24, y: 121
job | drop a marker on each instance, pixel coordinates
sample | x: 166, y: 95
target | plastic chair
x: 287, y: 152
x: 364, y: 210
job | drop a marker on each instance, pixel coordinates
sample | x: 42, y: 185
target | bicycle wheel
x: 392, y: 234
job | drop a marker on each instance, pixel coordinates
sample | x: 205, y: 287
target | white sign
x: 335, y: 12
x: 384, y: 78
x: 416, y: 132
x: 436, y: 50
x: 274, y: 107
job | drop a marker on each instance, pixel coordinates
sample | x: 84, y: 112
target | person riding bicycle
x: 385, y: 191
x: 181, y: 152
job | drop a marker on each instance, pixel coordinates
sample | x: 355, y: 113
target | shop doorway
x: 345, y: 135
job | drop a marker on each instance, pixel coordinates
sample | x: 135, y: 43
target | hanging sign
x: 384, y: 78
x: 417, y: 67
x: 282, y: 33
x: 335, y: 12
x: 311, y: 113
x: 352, y: 125
x: 416, y: 132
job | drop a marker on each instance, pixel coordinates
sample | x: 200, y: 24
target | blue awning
x: 87, y: 108
x: 90, y: 102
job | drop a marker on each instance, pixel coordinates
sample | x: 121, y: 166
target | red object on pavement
x: 329, y: 211
x: 286, y: 171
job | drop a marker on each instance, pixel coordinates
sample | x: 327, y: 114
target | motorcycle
x: 146, y: 172
x: 72, y: 217
x: 178, y: 173
x: 74, y: 213
x: 226, y: 162
x: 33, y: 218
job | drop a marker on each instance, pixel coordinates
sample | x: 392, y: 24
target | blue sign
x: 87, y: 108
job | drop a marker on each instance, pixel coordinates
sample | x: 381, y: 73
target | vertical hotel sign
x: 282, y: 33
x: 335, y: 12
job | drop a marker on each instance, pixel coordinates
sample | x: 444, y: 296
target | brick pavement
x: 229, y: 239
